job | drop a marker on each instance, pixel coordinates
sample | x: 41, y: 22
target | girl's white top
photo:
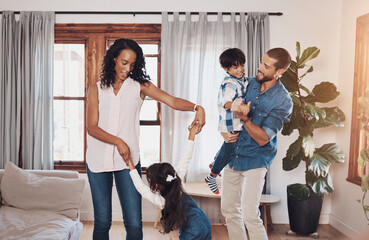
x: 119, y: 115
x: 181, y: 170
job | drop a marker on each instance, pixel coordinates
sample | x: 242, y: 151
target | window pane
x: 149, y: 48
x: 149, y: 110
x: 69, y: 70
x: 68, y: 130
x: 149, y: 145
x: 152, y: 69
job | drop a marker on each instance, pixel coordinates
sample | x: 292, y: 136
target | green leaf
x: 363, y: 107
x: 319, y: 184
x: 315, y: 112
x: 363, y: 157
x: 303, y: 75
x: 296, y: 100
x: 366, y: 209
x: 320, y: 162
x: 295, y: 122
x: 289, y: 80
x: 363, y: 102
x: 308, y: 146
x: 294, y: 148
x: 307, y: 129
x: 287, y: 128
x: 289, y: 164
x: 334, y: 116
x: 323, y: 92
x: 298, y: 191
x: 305, y: 89
x: 365, y: 183
x: 331, y: 152
x: 293, y: 68
x: 307, y: 55
x: 298, y: 51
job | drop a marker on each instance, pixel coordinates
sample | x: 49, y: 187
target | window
x: 358, y: 138
x: 69, y: 99
x: 78, y: 53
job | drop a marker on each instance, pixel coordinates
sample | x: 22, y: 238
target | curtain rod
x: 144, y: 13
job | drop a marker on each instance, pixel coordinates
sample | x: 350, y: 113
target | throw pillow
x: 25, y: 190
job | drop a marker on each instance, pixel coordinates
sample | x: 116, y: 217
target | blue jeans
x: 223, y: 157
x: 101, y: 185
x: 198, y: 226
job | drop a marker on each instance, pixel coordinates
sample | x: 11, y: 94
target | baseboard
x: 324, y: 219
x: 282, y: 218
x: 117, y: 216
x: 343, y: 226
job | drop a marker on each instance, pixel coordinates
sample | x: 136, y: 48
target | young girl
x: 179, y: 210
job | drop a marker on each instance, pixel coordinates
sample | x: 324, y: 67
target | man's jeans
x: 242, y: 190
x: 101, y: 185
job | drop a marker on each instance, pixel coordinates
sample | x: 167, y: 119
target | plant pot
x: 304, y: 214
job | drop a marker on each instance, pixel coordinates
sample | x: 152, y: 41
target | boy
x: 232, y: 87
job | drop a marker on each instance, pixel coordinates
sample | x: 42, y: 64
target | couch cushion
x: 26, y: 190
x: 18, y: 224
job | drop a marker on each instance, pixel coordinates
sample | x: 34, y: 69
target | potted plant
x: 363, y: 158
x: 305, y: 199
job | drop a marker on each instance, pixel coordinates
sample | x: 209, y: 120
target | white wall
x: 313, y: 23
x: 346, y: 213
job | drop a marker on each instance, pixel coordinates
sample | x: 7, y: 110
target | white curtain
x: 190, y: 51
x: 32, y: 73
x: 10, y: 90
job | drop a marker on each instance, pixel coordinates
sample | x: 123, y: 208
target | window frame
x: 358, y: 139
x: 96, y: 38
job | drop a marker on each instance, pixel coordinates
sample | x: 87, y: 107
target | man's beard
x: 265, y: 79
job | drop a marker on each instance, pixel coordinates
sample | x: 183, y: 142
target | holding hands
x: 240, y: 108
x: 123, y: 149
x: 194, y: 129
x: 199, y: 118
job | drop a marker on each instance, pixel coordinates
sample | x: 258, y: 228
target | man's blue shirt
x: 269, y: 110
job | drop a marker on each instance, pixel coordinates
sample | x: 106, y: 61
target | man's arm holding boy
x: 271, y: 126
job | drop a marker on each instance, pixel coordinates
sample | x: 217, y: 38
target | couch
x: 40, y: 204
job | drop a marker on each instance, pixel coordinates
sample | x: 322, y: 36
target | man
x: 270, y: 106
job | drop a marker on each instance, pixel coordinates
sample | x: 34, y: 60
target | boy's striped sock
x: 211, y: 181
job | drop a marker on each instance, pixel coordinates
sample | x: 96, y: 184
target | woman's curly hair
x: 108, y: 73
x: 173, y: 216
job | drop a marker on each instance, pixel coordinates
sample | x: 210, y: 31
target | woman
x: 113, y: 111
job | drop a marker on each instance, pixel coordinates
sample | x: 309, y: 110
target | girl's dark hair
x: 232, y: 57
x: 172, y: 215
x: 108, y: 73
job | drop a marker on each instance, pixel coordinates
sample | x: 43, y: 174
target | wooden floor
x: 219, y: 232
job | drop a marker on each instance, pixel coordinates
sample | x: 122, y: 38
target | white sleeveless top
x: 119, y: 115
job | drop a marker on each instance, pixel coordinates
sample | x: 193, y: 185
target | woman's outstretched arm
x: 175, y: 103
